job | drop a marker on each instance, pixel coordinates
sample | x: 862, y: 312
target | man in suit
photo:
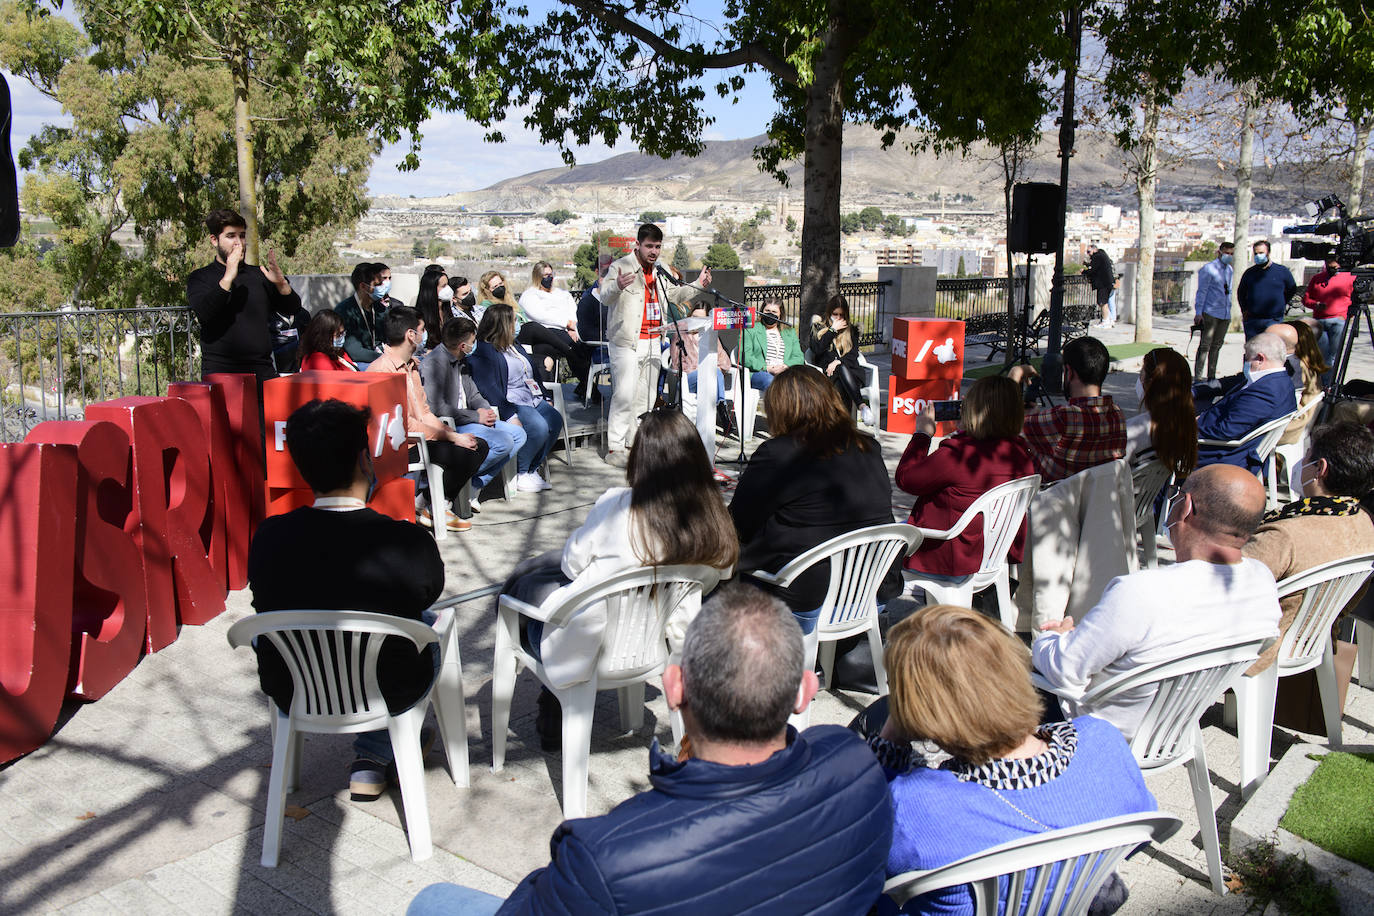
x: 1266, y: 395
x: 633, y: 293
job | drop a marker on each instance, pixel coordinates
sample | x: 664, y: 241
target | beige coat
x: 626, y: 306
x: 1295, y: 545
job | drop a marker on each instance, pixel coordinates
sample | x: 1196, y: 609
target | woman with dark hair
x: 670, y: 514
x: 432, y: 302
x: 322, y: 344
x: 835, y: 350
x: 960, y: 681
x: 1167, y: 422
x: 986, y: 451
x: 513, y: 384
x: 817, y: 477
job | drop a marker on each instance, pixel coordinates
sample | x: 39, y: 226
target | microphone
x: 665, y: 275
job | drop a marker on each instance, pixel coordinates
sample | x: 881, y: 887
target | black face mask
x: 468, y: 301
x: 769, y: 319
x: 546, y: 282
x: 499, y: 292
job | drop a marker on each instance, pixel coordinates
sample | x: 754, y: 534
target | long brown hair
x: 498, y: 326
x: 802, y: 403
x: 1173, y: 419
x: 677, y: 515
x: 847, y: 338
x: 1308, y: 352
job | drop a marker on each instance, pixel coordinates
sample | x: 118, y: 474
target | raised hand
x: 705, y: 278
x: 624, y: 279
x: 274, y: 274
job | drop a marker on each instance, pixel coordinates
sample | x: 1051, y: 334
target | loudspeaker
x: 1035, y: 217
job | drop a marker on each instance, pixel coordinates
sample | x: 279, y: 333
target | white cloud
x: 32, y: 109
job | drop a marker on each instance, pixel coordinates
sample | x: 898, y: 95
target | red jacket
x: 945, y: 483
x: 323, y: 362
x: 1328, y: 295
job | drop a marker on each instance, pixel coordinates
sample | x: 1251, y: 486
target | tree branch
x: 739, y: 57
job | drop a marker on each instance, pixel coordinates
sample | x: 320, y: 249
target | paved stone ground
x: 150, y: 800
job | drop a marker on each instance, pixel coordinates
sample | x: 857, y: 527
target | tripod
x: 1359, y: 308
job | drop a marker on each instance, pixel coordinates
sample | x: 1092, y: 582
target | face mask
x: 1227, y: 259
x: 1261, y: 258
x: 446, y: 294
x: 338, y: 341
x: 469, y: 301
x: 1302, y: 478
x: 1140, y: 389
x: 546, y: 282
x: 1249, y: 374
x: 378, y: 292
x: 499, y: 292
x: 769, y: 320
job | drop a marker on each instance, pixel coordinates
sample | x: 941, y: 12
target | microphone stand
x: 742, y: 382
x: 664, y: 276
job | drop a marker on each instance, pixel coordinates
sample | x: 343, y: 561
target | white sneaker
x: 866, y: 414
x: 531, y: 482
x: 476, y: 504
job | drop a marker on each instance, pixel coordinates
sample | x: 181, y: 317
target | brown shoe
x: 458, y: 524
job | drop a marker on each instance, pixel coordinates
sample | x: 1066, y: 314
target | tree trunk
x: 1245, y: 172
x: 243, y: 146
x: 820, y: 243
x: 1352, y: 200
x: 1146, y: 180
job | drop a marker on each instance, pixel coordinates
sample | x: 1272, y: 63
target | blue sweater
x: 939, y: 820
x: 1264, y: 291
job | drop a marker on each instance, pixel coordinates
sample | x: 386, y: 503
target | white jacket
x: 626, y: 306
x: 552, y: 308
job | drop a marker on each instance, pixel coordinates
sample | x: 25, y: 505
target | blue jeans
x: 504, y: 439
x: 760, y: 380
x: 1328, y: 339
x: 1111, y: 305
x: 720, y: 383
x: 542, y: 425
x: 453, y: 900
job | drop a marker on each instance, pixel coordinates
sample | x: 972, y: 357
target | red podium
x: 383, y: 393
x: 927, y: 365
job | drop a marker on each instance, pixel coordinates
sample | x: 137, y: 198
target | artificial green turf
x: 1335, y: 807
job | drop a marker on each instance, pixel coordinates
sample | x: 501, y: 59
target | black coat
x: 788, y: 501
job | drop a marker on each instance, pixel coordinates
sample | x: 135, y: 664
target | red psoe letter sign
x: 241, y: 401
x: 37, y: 531
x: 207, y: 399
x: 108, y: 600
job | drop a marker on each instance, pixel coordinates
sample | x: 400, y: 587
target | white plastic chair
x: 434, y: 479
x: 332, y: 658
x: 858, y: 562
x: 596, y: 371
x: 639, y: 603
x: 1292, y: 453
x: 1003, y: 508
x: 1169, y: 734
x: 872, y: 391
x: 1306, y: 644
x: 1050, y: 874
x: 1266, y: 439
x: 560, y: 404
x: 689, y: 397
x: 1148, y: 476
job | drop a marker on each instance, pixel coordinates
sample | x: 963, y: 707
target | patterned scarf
x: 1314, y: 505
x: 1028, y: 772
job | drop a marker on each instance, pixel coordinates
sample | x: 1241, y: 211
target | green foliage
x: 959, y: 271
x: 870, y: 217
x: 1206, y: 251
x: 791, y: 225
x: 418, y: 249
x: 894, y: 225
x: 438, y: 248
x: 653, y: 216
x: 559, y: 216
x: 850, y: 223
x: 721, y: 256
x: 584, y: 264
x: 520, y: 251
x: 1332, y: 808
x: 763, y: 215
x: 725, y: 230
x: 496, y: 222
x: 1291, y: 884
x: 682, y: 258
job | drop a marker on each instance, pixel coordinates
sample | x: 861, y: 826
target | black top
x: 315, y: 560
x: 824, y: 351
x: 789, y: 501
x: 236, y: 326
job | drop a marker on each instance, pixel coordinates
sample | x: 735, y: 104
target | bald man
x: 1289, y: 335
x: 1212, y: 596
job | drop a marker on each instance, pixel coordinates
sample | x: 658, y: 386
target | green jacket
x: 755, y: 347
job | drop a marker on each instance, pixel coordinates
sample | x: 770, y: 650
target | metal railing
x: 1170, y: 291
x: 967, y: 297
x: 52, y: 364
x: 865, y: 303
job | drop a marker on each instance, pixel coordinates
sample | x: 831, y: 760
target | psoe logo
x: 899, y: 347
x: 908, y: 406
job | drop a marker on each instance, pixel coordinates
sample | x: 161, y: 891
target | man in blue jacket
x: 1266, y: 395
x: 1264, y: 292
x: 759, y: 819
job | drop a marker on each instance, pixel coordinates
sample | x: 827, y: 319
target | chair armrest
x: 770, y: 578
x: 523, y: 608
x: 1068, y: 693
x: 1220, y: 443
x: 931, y: 534
x: 448, y: 421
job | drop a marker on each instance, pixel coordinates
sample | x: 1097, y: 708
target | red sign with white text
x: 906, y: 398
x: 927, y: 348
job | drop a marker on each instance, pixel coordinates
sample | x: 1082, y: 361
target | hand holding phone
x: 946, y: 411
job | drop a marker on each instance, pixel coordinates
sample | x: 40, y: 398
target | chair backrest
x: 1326, y: 590
x: 639, y: 603
x: 1183, y: 689
x: 1044, y: 875
x: 858, y: 562
x: 1269, y: 434
x: 1148, y: 477
x: 1003, y: 508
x: 1310, y: 411
x: 332, y: 657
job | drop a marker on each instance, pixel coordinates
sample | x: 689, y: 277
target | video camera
x: 1354, y: 243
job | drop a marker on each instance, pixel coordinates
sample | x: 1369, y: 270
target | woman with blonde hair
x: 835, y: 351
x: 671, y: 513
x: 551, y: 331
x: 961, y: 681
x: 987, y: 450
x: 1167, y: 422
x: 817, y: 477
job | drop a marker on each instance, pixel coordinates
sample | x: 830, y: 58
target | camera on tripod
x: 1354, y: 243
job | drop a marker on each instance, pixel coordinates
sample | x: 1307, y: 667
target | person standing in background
x: 1264, y: 292
x: 1212, y: 308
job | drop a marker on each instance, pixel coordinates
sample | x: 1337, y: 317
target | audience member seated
x: 1266, y: 395
x: 513, y: 384
x: 767, y: 348
x: 1211, y: 597
x: 1167, y: 423
x: 433, y: 302
x: 670, y: 514
x: 592, y: 317
x: 986, y: 451
x: 340, y: 555
x: 962, y: 682
x: 756, y: 819
x: 1312, y: 369
x: 817, y: 477
x: 322, y: 344
x: 553, y: 316
x: 362, y: 315
x: 286, y: 339
x: 459, y: 454
x: 1327, y: 523
x: 835, y: 351
x: 453, y: 393
x: 684, y: 358
x: 1328, y: 295
x: 1089, y: 429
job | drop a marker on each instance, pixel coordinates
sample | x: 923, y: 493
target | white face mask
x: 1249, y: 373
x: 1302, y: 477
x: 1139, y: 390
x: 445, y: 294
x: 338, y: 341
